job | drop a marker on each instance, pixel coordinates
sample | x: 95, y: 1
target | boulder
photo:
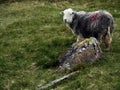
x: 86, y: 51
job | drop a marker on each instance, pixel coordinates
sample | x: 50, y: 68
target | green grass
x: 33, y: 36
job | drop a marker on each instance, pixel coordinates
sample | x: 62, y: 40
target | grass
x: 33, y: 36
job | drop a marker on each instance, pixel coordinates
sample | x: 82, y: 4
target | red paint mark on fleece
x: 94, y: 16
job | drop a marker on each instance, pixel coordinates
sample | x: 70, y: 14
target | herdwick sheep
x: 98, y: 24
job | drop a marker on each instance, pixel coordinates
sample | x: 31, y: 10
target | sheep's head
x: 68, y: 15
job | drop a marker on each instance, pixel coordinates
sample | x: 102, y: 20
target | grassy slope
x: 33, y: 36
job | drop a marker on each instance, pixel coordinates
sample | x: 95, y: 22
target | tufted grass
x: 33, y: 36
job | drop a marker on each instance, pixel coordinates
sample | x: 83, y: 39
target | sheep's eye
x: 71, y: 13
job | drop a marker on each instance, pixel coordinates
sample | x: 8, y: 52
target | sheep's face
x: 68, y: 15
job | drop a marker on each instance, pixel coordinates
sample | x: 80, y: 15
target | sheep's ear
x: 61, y: 12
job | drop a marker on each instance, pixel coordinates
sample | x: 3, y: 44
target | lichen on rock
x: 86, y: 51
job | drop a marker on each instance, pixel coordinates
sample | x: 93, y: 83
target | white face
x: 68, y: 15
